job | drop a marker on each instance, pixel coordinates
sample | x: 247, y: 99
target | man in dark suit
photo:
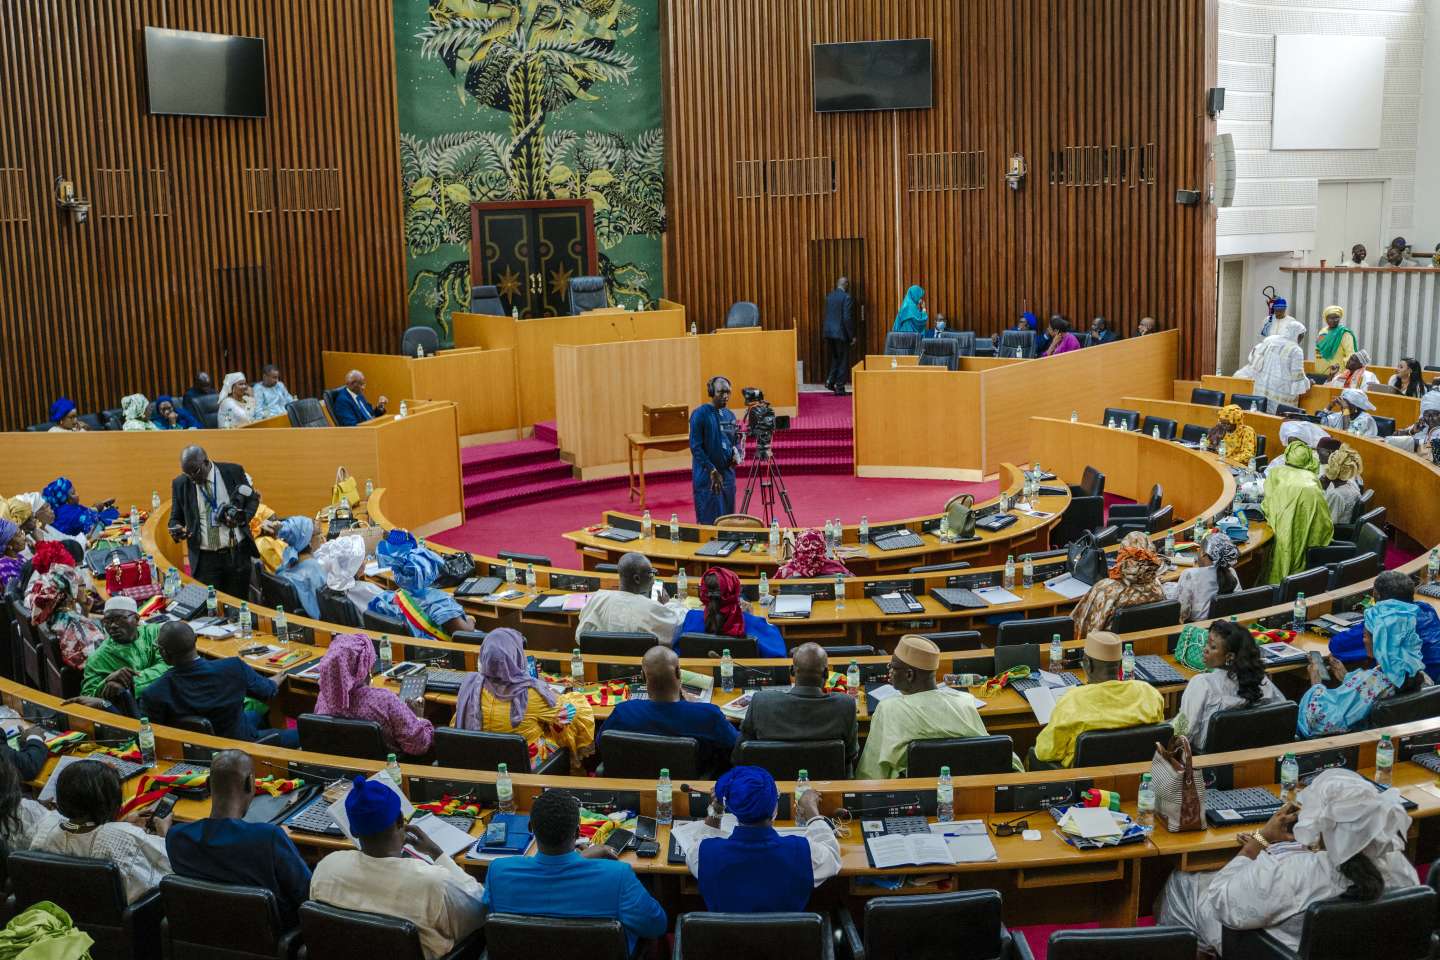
x: 1100, y: 332
x: 805, y: 711
x: 211, y: 505
x: 350, y: 406
x: 839, y: 332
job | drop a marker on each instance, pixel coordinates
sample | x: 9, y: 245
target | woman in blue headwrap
x: 297, y: 567
x: 169, y: 415
x: 65, y: 417
x: 1392, y: 640
x: 912, y: 317
x: 71, y: 518
x: 427, y: 611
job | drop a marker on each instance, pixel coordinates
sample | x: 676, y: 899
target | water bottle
x: 774, y: 538
x: 727, y: 671
x: 1432, y: 568
x: 504, y: 790
x: 246, y: 624
x: 1198, y: 534
x: 577, y: 666
x: 134, y: 523
x: 1384, y: 760
x: 682, y: 584
x: 530, y: 575
x: 944, y: 796
x: 212, y: 603
x: 404, y: 410
x: 944, y: 532
x: 1074, y: 416
x: 894, y: 364
x: 514, y: 313
x: 509, y: 571
x: 280, y: 626
x: 172, y: 582
x: 864, y: 530
x: 802, y: 784
x: 764, y: 588
x: 852, y: 679
x: 1009, y: 581
x: 392, y: 770
x: 146, y: 742
x: 693, y: 329
x: 1057, y: 654
x: 1028, y: 577
x: 1110, y: 424
x: 154, y: 499
x: 1222, y: 448
x: 1289, y: 777
x: 1301, y: 614
x: 829, y: 536
x: 674, y: 528
x: 369, y: 488
x: 387, y: 658
x: 1169, y: 546
x: 647, y: 525
x: 1145, y: 802
x: 839, y: 592
x: 1156, y: 432
x: 664, y: 793
x: 419, y: 351
x: 1019, y: 354
x: 1127, y: 662
x: 1204, y: 442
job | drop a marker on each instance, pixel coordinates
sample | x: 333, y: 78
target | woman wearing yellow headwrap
x: 1296, y: 510
x: 1336, y: 342
x: 1239, y: 437
x: 1341, y: 480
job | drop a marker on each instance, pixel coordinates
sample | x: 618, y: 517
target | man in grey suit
x: 839, y: 332
x: 805, y: 711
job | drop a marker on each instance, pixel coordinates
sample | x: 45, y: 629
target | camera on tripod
x: 761, y: 421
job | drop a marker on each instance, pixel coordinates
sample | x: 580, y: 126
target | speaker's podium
x: 602, y: 389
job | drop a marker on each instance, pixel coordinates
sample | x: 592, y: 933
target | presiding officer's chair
x: 940, y: 352
x: 587, y: 293
x: 901, y: 343
x: 420, y: 336
x: 742, y: 313
x: 485, y: 298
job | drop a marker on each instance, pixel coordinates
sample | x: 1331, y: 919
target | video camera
x: 761, y: 421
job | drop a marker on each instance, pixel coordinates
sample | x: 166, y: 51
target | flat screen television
x: 204, y: 74
x: 873, y: 75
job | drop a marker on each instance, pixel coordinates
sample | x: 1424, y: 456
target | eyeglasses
x: 1010, y: 828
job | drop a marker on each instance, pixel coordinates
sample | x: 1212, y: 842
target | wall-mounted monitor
x: 204, y: 74
x: 873, y: 75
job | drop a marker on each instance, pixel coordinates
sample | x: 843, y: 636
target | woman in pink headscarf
x: 345, y: 691
x: 809, y: 559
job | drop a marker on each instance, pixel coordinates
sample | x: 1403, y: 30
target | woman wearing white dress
x: 1213, y: 575
x: 237, y: 405
x: 1236, y: 678
x: 19, y: 815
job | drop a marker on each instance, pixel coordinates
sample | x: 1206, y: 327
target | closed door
x: 829, y: 261
x: 1348, y: 212
x: 531, y: 250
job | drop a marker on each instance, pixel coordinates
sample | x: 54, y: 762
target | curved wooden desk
x: 1403, y: 410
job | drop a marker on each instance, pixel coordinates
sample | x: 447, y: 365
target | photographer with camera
x: 210, y: 509
x: 713, y: 450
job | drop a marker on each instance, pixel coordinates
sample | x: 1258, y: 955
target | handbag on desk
x: 1179, y: 793
x: 960, y: 516
x: 1087, y: 560
x: 344, y: 489
x: 130, y: 579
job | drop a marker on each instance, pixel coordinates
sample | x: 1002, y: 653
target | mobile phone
x: 647, y: 849
x: 645, y: 828
x: 164, y: 808
x: 1318, y: 660
x: 619, y: 840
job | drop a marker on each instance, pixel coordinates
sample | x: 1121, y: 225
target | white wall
x: 1427, y: 186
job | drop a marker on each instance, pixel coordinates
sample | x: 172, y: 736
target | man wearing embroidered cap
x: 1351, y: 411
x: 398, y: 872
x: 129, y: 660
x: 1103, y: 703
x: 922, y: 711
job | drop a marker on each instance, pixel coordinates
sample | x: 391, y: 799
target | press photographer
x: 211, y: 505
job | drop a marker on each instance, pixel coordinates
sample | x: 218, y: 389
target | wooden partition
x: 1403, y: 410
x: 294, y: 469
x: 917, y: 422
x: 752, y: 357
x: 481, y: 383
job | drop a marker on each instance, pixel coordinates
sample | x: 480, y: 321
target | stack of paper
x: 1042, y: 699
x: 996, y: 595
x: 1092, y: 823
x: 1067, y: 586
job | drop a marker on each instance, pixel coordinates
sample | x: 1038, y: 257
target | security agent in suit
x: 839, y: 332
x: 714, y: 453
x: 350, y: 406
x: 211, y: 505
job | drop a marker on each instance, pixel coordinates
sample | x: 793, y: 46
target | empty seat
x: 485, y: 298
x: 742, y: 314
x: 1385, y: 426
x: 1242, y: 601
x: 204, y: 919
x: 901, y: 344
x: 964, y: 341
x: 1193, y: 433
x: 1034, y: 630
x: 753, y: 936
x: 1092, y: 483
x: 420, y: 337
x: 1309, y: 582
x: 1207, y: 397
x: 939, y: 352
x: 1012, y: 341
x: 537, y: 559
x: 509, y: 936
x: 1354, y: 570
x: 1141, y: 943
x: 587, y: 293
x: 1128, y: 419
x: 965, y: 756
x: 1248, y: 728
x: 1146, y: 616
x: 342, y: 737
x: 307, y: 412
x: 954, y: 641
x: 822, y: 759
x: 642, y: 756
x: 1081, y: 516
x: 1250, y: 401
x: 1097, y: 748
x: 957, y: 926
x: 334, y: 934
x: 1165, y: 425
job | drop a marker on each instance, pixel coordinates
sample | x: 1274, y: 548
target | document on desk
x: 218, y: 631
x: 883, y: 692
x: 996, y: 595
x: 1042, y: 700
x: 907, y: 850
x: 448, y: 837
x: 1067, y: 586
x: 967, y: 839
x: 47, y: 792
x: 792, y: 605
x: 693, y: 831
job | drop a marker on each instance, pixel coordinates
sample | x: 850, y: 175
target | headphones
x: 710, y: 384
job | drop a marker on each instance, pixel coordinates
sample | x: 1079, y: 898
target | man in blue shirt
x: 224, y: 848
x: 558, y: 882
x: 213, y: 689
x: 665, y: 712
x: 712, y: 452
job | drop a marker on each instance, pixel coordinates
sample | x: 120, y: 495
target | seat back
x: 194, y: 724
x: 92, y: 892
x: 964, y: 341
x: 1230, y: 604
x: 420, y: 336
x: 1095, y: 748
x: 1157, y: 497
x: 1193, y: 433
x: 1245, y: 728
x: 114, y: 419
x: 587, y: 293
x: 821, y: 759
x: 959, y: 926
x: 1309, y: 582
x: 1207, y: 397
x: 1346, y: 929
x: 485, y: 298
x: 481, y: 750
x: 715, y: 644
x: 754, y: 936
x: 939, y: 352
x: 739, y: 521
x: 1146, y: 616
x: 1384, y: 426
x: 206, y: 409
x: 1351, y: 571
x: 1371, y: 539
x: 616, y: 643
x: 1421, y: 705
x: 330, y: 398
x: 1034, y: 630
x: 938, y: 567
x: 1288, y: 410
x: 539, y: 559
x: 859, y: 649
x: 307, y: 412
x: 223, y: 919
x: 380, y: 623
x: 1251, y: 402
x: 60, y: 679
x: 742, y: 314
x: 964, y: 756
x: 952, y: 641
x: 1017, y: 655
x: 1160, y: 519
x: 510, y: 936
x: 1082, y: 515
x: 331, y: 933
x: 279, y: 592
x: 1165, y: 425
x: 1012, y: 340
x: 342, y: 737
x: 1140, y: 943
x: 1092, y: 482
x: 642, y: 756
x: 1129, y: 419
x: 337, y: 608
x: 1376, y: 516
x: 901, y: 343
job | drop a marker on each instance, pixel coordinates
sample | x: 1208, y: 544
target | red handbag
x: 131, y: 579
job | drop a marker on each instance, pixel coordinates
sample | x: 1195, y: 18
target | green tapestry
x: 529, y: 100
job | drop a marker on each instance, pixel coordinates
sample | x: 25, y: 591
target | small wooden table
x: 638, y: 443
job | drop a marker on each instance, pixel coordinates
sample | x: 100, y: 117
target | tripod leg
x: 779, y: 482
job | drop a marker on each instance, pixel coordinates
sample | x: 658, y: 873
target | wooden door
x: 531, y: 249
x: 829, y: 261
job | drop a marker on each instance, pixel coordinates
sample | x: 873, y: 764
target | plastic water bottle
x: 839, y: 592
x: 280, y: 625
x: 392, y: 770
x: 1432, y: 568
x: 172, y: 582
x: 774, y: 538
x: 1110, y: 424
x: 647, y: 525
x: 1057, y: 654
x: 674, y: 528
x: 682, y: 584
x: 509, y: 571
x: 864, y: 534
x: 369, y: 488
x: 802, y: 784
x: 944, y: 532
x: 1384, y: 760
x: 419, y: 351
x: 145, y: 740
x: 1028, y: 575
x: 727, y: 671
x: 246, y: 623
x: 829, y: 536
x: 404, y: 410
x: 1289, y: 777
x: 1156, y: 432
x: 387, y: 658
x: 944, y: 796
x: 134, y: 523
x: 1127, y: 662
x: 1222, y: 448
x: 1074, y: 416
x: 212, y: 603
x: 693, y: 329
x: 530, y: 575
x: 1198, y: 534
x: 514, y: 313
x: 1169, y: 546
x: 1204, y: 441
x: 577, y: 666
x: 1301, y: 614
x: 1009, y: 581
x: 1145, y: 802
x: 764, y: 587
x: 1019, y: 354
x: 664, y: 798
x: 504, y: 790
x: 852, y: 679
x: 154, y: 499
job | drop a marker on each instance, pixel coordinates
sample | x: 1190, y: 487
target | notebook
x: 517, y: 837
x: 796, y: 605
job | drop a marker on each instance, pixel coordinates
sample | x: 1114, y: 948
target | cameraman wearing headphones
x: 713, y: 433
x: 210, y: 508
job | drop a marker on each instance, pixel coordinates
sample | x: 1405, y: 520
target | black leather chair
x: 939, y: 352
x: 1034, y: 630
x: 1092, y: 483
x: 328, y: 397
x: 279, y: 592
x: 93, y: 421
x: 1288, y: 410
x: 900, y: 344
x: 753, y: 936
x: 1242, y: 601
x: 938, y: 567
x: 485, y: 298
x: 1420, y: 705
x: 420, y: 336
x: 206, y: 409
x: 587, y: 293
x: 1129, y: 419
x: 1207, y: 397
x: 1351, y: 531
x: 1167, y: 427
x: 331, y: 933
x: 1397, y: 926
x: 1352, y: 571
x: 1309, y: 582
x: 965, y: 756
x: 1146, y: 616
x: 114, y: 419
x: 964, y: 341
x: 641, y: 756
x: 952, y: 641
x: 1140, y: 943
x: 1121, y: 512
x: 615, y: 643
x: 195, y: 724
x: 380, y: 623
x: 1097, y: 748
x: 1246, y: 728
x: 307, y: 412
x: 1017, y: 655
x: 60, y: 679
x: 821, y: 759
x: 510, y: 936
x: 337, y: 608
x: 715, y: 644
x: 92, y: 892
x: 539, y: 559
x: 1384, y: 426
x: 206, y: 920
x: 32, y: 649
x: 1250, y: 402
x: 742, y: 313
x: 342, y: 737
x: 1193, y: 433
x: 956, y: 926
x: 483, y: 750
x: 1082, y: 515
x: 1012, y: 340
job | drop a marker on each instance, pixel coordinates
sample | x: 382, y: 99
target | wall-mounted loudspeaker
x: 1224, y: 156
x: 1215, y: 101
x: 1187, y: 198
